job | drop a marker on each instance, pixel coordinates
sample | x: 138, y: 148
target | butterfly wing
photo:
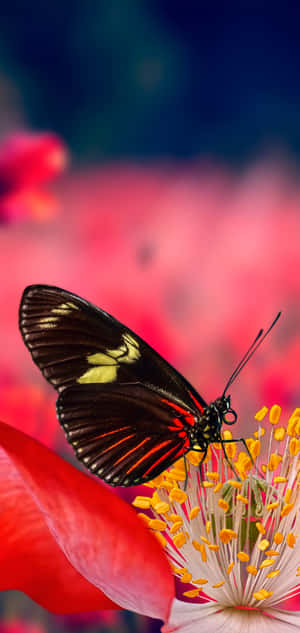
x: 125, y: 433
x: 73, y: 342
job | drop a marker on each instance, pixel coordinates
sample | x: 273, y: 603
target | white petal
x: 212, y: 618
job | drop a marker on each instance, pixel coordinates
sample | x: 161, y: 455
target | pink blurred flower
x: 27, y: 160
x: 17, y: 625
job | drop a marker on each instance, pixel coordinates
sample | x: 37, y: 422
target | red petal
x: 98, y: 532
x: 27, y: 160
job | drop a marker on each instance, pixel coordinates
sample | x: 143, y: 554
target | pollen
x: 142, y: 502
x: 259, y: 416
x: 267, y: 563
x: 218, y: 487
x: 207, y: 526
x: 271, y: 552
x: 260, y: 527
x: 251, y: 570
x: 273, y: 506
x: 230, y: 568
x: 287, y: 495
x: 262, y: 594
x: 274, y: 461
x: 263, y: 545
x: 294, y: 446
x: 227, y: 535
x: 144, y: 517
x: 192, y: 593
x: 243, y: 557
x: 260, y: 433
x: 157, y: 524
x: 176, y: 526
x: 286, y: 509
x: 274, y: 414
x: 242, y: 499
x: 203, y: 553
x: 194, y: 512
x: 235, y: 484
x: 161, y: 507
x: 161, y: 539
x: 280, y: 480
x: 179, y: 540
x: 279, y: 433
x: 213, y: 547
x: 273, y: 574
x: 208, y: 484
x: 290, y: 539
x: 200, y: 581
x: 187, y: 577
x: 278, y: 538
x: 195, y: 458
x: 178, y: 495
x: 205, y: 540
x: 213, y: 476
x: 223, y: 504
x: 218, y: 584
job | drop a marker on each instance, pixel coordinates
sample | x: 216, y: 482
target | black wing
x: 74, y: 342
x: 126, y: 434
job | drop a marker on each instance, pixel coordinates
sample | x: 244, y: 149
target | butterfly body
x: 126, y: 412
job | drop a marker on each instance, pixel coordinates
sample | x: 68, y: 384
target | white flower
x: 234, y: 542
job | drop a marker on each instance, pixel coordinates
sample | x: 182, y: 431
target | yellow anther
x: 260, y: 433
x: 218, y: 487
x: 217, y: 446
x: 144, y: 517
x: 162, y: 507
x: 294, y: 446
x: 196, y: 545
x: 142, y: 502
x: 155, y: 499
x: 195, y: 458
x: 208, y: 484
x: 213, y: 476
x: 273, y: 506
x: 203, y: 552
x: 274, y: 414
x: 251, y: 570
x: 231, y: 450
x: 290, y: 539
x: 261, y: 414
x: 262, y: 594
x: 179, y: 540
x: 293, y: 422
x: 273, y: 574
x: 263, y: 545
x: 264, y: 468
x: 213, y: 548
x: 192, y: 593
x: 279, y: 433
x: 200, y: 581
x: 274, y: 461
x: 174, y: 517
x: 157, y: 524
x: 205, y: 540
x: 187, y: 577
x: 288, y: 495
x: 180, y: 464
x: 223, y: 504
x: 280, y: 480
x: 286, y: 509
x: 230, y: 568
x: 177, y: 474
x: 176, y: 526
x: 207, y: 527
x: 243, y: 557
x: 271, y: 552
x: 218, y: 584
x: 235, y: 484
x: 267, y: 563
x: 278, y: 538
x: 161, y: 538
x: 242, y: 499
x: 226, y: 535
x: 180, y: 571
x: 255, y: 449
x: 260, y: 527
x: 194, y: 512
x: 178, y: 495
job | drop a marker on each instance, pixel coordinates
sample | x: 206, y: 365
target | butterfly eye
x: 230, y: 417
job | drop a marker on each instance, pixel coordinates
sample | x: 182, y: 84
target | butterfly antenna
x: 260, y: 337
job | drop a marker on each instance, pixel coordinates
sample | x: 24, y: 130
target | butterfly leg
x: 239, y: 439
x: 186, y: 473
x: 222, y: 442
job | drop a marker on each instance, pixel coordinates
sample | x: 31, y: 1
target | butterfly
x: 127, y: 413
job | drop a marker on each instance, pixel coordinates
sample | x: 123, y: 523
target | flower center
x: 230, y: 539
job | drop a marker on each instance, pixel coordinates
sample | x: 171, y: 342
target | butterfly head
x: 226, y: 414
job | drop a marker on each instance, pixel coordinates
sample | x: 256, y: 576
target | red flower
x: 27, y: 161
x: 71, y: 544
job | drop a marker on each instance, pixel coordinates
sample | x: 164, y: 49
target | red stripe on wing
x: 189, y: 418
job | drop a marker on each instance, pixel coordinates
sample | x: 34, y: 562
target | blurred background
x: 149, y: 161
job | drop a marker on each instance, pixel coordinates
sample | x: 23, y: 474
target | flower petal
x: 99, y: 533
x: 212, y: 618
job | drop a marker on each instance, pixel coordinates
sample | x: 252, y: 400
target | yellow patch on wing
x: 62, y: 310
x: 107, y: 363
